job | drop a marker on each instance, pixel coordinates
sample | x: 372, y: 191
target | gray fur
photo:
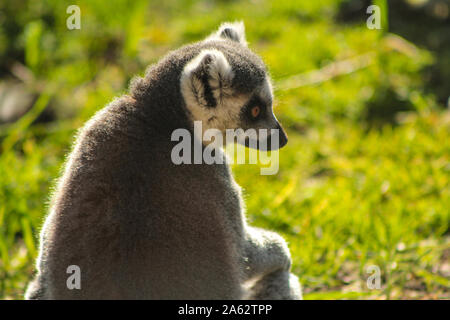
x: 141, y: 227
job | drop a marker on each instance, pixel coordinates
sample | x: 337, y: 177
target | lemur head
x: 226, y: 86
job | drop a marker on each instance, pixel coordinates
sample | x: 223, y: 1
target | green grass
x: 356, y: 187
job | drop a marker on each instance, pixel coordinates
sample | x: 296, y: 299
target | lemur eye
x: 256, y: 110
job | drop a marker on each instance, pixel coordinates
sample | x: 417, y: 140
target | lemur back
x: 139, y: 226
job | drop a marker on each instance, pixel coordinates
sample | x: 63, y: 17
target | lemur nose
x: 283, y: 138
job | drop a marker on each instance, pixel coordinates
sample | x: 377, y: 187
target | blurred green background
x: 364, y: 180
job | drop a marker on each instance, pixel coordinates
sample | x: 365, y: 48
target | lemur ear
x: 207, y: 79
x: 234, y: 31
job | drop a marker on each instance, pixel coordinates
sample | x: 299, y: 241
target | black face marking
x: 255, y: 101
x: 207, y: 91
x: 203, y: 75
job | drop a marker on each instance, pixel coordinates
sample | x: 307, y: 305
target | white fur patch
x: 226, y: 113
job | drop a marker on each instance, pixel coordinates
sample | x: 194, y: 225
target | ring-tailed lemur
x: 139, y: 226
